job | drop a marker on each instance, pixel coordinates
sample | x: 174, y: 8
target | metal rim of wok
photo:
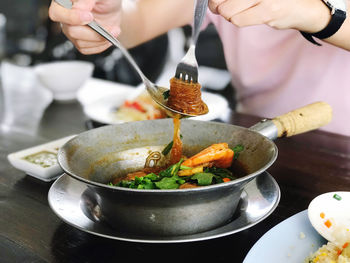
x: 62, y: 153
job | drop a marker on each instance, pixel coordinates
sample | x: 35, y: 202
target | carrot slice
x: 328, y: 223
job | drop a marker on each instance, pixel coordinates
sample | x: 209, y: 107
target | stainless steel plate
x: 259, y: 199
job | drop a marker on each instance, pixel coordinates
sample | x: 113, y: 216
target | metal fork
x: 187, y: 69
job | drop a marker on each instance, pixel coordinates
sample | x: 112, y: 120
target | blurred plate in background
x: 101, y: 98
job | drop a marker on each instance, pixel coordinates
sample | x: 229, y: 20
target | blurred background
x: 28, y: 37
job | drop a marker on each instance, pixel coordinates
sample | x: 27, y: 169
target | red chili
x: 135, y: 105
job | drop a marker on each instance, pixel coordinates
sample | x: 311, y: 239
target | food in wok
x: 212, y: 165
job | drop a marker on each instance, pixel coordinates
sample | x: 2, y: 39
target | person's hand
x: 73, y: 22
x: 305, y: 15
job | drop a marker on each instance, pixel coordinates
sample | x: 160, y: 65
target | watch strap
x: 338, y: 18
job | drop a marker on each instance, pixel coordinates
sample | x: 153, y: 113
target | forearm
x: 143, y: 20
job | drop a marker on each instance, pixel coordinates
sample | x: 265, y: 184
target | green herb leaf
x: 166, y: 94
x: 203, y: 178
x: 167, y: 148
x: 152, y: 176
x: 183, y: 167
x: 171, y: 170
x: 237, y: 149
x: 221, y: 172
x: 147, y: 183
x: 167, y: 183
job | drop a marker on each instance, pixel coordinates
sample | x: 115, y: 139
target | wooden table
x: 307, y: 166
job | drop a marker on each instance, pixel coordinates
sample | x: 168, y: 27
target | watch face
x: 337, y: 4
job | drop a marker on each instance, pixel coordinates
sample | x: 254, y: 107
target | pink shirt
x: 275, y: 71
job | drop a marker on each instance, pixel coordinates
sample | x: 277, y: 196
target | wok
x: 97, y: 156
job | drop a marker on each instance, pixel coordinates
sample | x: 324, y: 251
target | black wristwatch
x: 338, y: 12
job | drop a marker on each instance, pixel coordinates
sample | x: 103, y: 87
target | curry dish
x: 209, y: 166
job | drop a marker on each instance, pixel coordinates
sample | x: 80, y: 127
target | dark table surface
x: 307, y: 165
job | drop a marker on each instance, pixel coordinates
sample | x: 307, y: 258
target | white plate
x: 42, y: 173
x: 100, y: 99
x: 291, y: 241
x: 67, y: 197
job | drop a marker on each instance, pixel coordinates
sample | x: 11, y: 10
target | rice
x: 329, y: 253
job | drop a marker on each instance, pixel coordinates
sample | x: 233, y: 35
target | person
x: 274, y: 68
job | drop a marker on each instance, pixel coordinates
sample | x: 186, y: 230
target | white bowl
x: 64, y: 78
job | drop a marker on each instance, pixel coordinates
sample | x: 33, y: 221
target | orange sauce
x: 176, y: 150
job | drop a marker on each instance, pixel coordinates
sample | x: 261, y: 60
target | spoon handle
x: 104, y: 33
x: 199, y: 13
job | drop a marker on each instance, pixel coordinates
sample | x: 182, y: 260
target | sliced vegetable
x: 203, y: 178
x: 328, y: 223
x: 217, y: 154
x: 337, y: 197
x: 135, y: 105
x: 171, y: 170
x: 191, y: 171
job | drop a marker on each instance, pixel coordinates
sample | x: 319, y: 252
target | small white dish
x: 329, y: 214
x: 291, y: 241
x: 64, y: 78
x: 101, y: 98
x: 40, y: 161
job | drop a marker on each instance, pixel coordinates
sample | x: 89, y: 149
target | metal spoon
x: 155, y: 91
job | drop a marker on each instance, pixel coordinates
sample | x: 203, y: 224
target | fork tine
x: 187, y: 72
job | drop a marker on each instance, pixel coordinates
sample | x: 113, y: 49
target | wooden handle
x: 310, y: 117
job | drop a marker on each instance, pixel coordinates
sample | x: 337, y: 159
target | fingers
x: 229, y: 9
x: 81, y: 32
x: 72, y: 16
x: 86, y: 40
x: 94, y: 49
x: 249, y: 17
x: 74, y: 22
x: 214, y: 4
x: 274, y: 13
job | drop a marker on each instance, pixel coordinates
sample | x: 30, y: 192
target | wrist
x: 329, y: 24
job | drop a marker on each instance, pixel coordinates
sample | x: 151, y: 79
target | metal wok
x: 98, y: 156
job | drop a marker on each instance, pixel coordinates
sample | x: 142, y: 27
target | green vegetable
x: 167, y: 183
x: 237, y: 149
x: 203, y: 178
x: 166, y: 94
x: 337, y: 197
x: 172, y: 170
x: 183, y: 167
x: 167, y: 148
x: 152, y: 176
x: 220, y: 172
